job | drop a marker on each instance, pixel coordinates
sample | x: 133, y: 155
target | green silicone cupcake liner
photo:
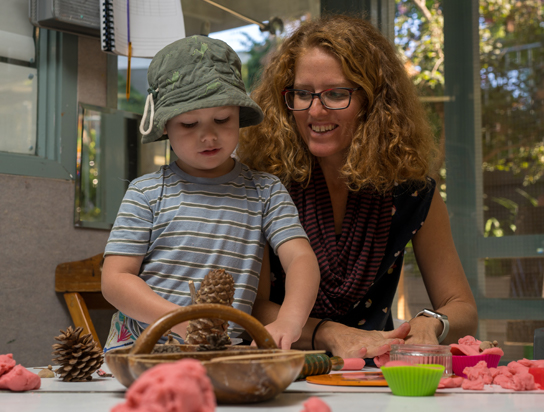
x: 415, y: 380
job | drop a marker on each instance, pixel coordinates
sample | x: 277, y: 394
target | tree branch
x: 421, y: 6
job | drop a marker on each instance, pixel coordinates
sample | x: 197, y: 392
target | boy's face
x: 204, y: 139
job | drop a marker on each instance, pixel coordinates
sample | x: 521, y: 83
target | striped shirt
x: 186, y: 226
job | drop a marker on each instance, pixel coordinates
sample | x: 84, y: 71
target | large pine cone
x: 217, y: 287
x: 78, y: 356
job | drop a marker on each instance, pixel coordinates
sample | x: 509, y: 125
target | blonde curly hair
x: 393, y: 142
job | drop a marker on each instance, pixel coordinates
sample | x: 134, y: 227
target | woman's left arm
x: 444, y: 280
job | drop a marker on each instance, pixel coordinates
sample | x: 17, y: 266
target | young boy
x: 205, y: 210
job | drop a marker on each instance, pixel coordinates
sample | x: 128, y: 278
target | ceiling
x: 198, y: 13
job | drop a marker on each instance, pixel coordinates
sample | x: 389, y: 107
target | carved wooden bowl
x: 238, y: 374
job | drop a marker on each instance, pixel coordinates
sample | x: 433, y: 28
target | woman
x: 344, y: 130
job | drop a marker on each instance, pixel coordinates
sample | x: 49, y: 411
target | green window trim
x: 56, y: 139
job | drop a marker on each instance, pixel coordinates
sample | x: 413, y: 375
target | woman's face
x: 328, y: 133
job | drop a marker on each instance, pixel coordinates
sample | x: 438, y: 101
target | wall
x: 37, y: 233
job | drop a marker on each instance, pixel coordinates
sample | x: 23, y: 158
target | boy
x: 205, y: 210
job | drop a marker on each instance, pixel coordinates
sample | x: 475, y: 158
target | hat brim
x: 222, y: 94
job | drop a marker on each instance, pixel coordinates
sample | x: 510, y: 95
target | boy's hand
x: 284, y: 333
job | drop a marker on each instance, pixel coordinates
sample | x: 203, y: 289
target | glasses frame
x: 350, y: 89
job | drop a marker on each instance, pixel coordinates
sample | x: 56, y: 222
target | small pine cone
x: 78, y: 356
x: 217, y: 287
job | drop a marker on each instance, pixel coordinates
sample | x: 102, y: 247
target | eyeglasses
x: 333, y: 99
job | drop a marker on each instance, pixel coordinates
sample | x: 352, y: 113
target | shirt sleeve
x: 131, y: 231
x: 280, y: 217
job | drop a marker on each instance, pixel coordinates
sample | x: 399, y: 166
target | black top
x: 411, y: 203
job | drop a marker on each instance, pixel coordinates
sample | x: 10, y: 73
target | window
x: 38, y: 112
x: 18, y: 80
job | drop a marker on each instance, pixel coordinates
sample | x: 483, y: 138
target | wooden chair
x: 80, y: 282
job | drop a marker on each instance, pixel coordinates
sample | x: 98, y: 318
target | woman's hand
x: 424, y: 331
x: 348, y: 342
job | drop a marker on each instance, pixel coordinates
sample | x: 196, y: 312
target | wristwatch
x: 443, y: 318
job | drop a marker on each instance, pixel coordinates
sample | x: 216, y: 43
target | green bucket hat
x: 194, y: 73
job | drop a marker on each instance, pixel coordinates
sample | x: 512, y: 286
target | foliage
x: 136, y: 101
x: 511, y: 80
x: 258, y: 52
x: 511, y: 83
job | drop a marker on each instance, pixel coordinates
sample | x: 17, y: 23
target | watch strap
x: 442, y: 318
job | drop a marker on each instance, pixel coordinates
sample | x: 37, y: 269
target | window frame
x: 56, y: 131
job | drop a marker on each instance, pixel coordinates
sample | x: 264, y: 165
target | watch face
x: 434, y: 314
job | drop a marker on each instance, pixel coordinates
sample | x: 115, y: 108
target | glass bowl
x: 424, y: 355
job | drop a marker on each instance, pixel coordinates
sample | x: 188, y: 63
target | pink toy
x: 181, y: 386
x: 353, y: 364
x: 538, y: 375
x: 315, y: 404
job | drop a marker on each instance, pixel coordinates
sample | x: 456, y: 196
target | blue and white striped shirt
x: 186, y: 226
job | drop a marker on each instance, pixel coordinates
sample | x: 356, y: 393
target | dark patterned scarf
x: 348, y: 266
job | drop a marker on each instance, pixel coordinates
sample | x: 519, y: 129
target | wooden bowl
x: 239, y: 374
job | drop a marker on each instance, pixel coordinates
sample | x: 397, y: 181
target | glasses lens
x: 336, y: 98
x: 298, y: 99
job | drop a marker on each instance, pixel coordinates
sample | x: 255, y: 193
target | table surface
x: 101, y: 394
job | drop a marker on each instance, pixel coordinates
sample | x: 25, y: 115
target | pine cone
x: 217, y: 287
x: 78, y: 356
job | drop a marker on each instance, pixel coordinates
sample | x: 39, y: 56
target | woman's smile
x: 328, y: 133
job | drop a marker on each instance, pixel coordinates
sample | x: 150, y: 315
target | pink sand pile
x: 181, y: 386
x: 514, y: 376
x: 16, y: 378
x: 453, y: 382
x: 314, y: 404
x: 470, y: 346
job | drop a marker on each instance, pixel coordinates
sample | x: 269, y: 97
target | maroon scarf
x: 348, y: 266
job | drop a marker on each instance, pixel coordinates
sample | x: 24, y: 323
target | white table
x: 101, y: 394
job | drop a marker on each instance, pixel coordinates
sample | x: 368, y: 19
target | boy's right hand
x: 284, y: 333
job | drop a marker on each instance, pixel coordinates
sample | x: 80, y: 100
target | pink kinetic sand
x: 181, y: 386
x: 314, y: 404
x: 453, y: 382
x: 20, y: 379
x: 7, y: 363
x: 470, y: 346
x: 515, y: 376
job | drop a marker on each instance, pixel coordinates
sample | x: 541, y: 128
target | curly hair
x: 392, y: 143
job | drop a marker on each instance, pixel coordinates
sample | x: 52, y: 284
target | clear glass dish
x: 424, y: 354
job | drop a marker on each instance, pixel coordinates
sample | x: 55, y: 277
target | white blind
x: 16, y: 31
x: 18, y: 81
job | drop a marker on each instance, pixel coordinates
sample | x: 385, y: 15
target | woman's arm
x: 333, y: 337
x: 126, y: 291
x: 444, y: 280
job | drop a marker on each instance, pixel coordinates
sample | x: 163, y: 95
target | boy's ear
x: 164, y: 131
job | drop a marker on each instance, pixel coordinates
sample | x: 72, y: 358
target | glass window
x: 419, y: 39
x: 512, y: 85
x: 18, y: 79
